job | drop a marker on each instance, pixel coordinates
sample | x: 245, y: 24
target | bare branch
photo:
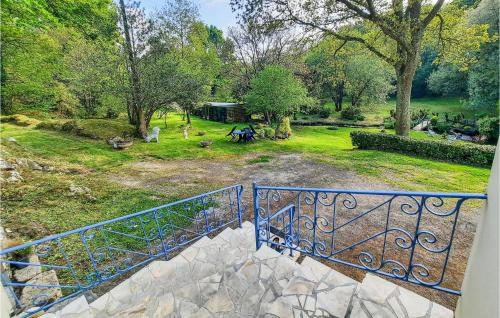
x: 434, y: 11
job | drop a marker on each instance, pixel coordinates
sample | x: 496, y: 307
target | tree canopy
x: 276, y: 93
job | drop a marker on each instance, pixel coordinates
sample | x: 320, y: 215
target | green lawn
x: 375, y: 114
x: 42, y: 204
x: 332, y: 146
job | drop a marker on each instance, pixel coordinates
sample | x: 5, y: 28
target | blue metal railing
x: 86, y: 257
x: 403, y: 235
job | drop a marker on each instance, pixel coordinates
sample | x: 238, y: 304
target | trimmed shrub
x: 389, y: 123
x: 442, y: 127
x: 488, y: 127
x: 434, y: 120
x: 91, y: 128
x: 324, y: 112
x: 465, y: 153
x: 51, y: 124
x: 352, y: 113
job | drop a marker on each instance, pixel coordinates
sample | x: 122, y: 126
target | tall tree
x: 368, y: 80
x: 276, y: 94
x: 36, y: 36
x: 483, y: 84
x: 327, y: 66
x: 138, y: 112
x: 256, y: 47
x: 392, y: 30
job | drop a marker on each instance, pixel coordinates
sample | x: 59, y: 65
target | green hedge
x: 465, y: 153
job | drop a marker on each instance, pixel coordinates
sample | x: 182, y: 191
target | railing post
x: 160, y: 235
x: 291, y: 214
x: 256, y: 215
x: 239, y: 192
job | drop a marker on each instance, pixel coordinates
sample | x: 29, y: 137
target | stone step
x: 226, y: 277
x: 377, y: 297
x: 77, y: 308
x: 330, y: 292
x: 179, y: 286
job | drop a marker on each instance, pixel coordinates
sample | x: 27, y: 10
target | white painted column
x: 5, y: 303
x: 480, y: 288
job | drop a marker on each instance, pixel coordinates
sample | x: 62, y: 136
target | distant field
x: 375, y: 114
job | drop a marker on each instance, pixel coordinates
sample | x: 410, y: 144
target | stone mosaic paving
x: 226, y: 277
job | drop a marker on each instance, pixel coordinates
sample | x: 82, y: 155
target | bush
x: 50, y: 125
x: 324, y: 112
x: 434, y: 120
x: 352, y: 113
x: 332, y: 128
x: 465, y: 153
x: 488, y: 127
x: 269, y: 132
x: 66, y: 104
x: 389, y: 123
x: 442, y: 128
x: 111, y: 114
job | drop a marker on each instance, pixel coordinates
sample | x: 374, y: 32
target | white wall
x: 5, y: 304
x: 480, y: 288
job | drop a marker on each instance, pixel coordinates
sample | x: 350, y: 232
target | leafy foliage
x: 448, y: 81
x: 352, y: 113
x: 36, y: 35
x: 489, y: 127
x: 276, y: 93
x: 465, y: 153
x: 484, y: 76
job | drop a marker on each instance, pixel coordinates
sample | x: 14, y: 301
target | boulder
x: 81, y: 191
x: 205, y: 143
x: 4, y: 165
x: 14, y: 177
x: 38, y: 296
x: 24, y: 274
x: 34, y: 165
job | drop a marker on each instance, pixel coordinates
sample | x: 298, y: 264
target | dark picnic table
x: 246, y: 134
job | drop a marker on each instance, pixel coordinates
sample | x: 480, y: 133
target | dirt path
x: 292, y: 170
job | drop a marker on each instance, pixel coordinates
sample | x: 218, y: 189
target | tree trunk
x: 267, y: 118
x: 404, y: 77
x: 140, y: 123
x: 188, y: 118
x: 339, y: 96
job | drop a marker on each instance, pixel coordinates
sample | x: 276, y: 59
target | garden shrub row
x: 465, y: 153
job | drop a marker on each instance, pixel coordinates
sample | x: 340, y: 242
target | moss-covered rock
x: 20, y: 120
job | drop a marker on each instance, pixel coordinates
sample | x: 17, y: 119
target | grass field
x: 375, y: 114
x: 42, y: 205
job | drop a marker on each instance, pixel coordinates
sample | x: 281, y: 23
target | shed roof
x: 223, y: 105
